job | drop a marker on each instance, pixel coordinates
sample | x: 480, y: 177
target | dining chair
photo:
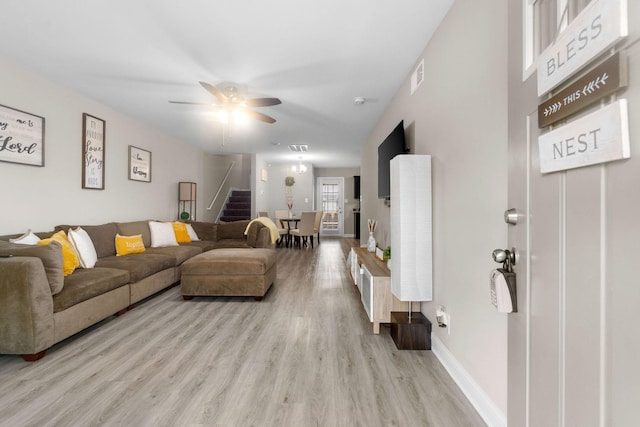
x: 283, y: 228
x: 316, y: 224
x: 305, y: 229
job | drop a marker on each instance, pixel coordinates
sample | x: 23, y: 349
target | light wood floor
x: 304, y: 356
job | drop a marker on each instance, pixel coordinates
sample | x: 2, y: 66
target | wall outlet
x: 443, y: 319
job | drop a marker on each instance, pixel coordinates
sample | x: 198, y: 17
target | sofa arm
x: 26, y: 306
x: 263, y: 239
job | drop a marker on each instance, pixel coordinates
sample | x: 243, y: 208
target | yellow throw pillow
x: 70, y: 259
x: 126, y: 245
x: 182, y: 235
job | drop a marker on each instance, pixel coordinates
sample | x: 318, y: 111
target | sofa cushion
x: 39, y: 235
x: 126, y: 245
x: 205, y: 230
x: 136, y: 227
x: 162, y: 234
x: 103, y: 237
x: 83, y: 246
x: 180, y: 230
x: 252, y: 233
x: 204, y: 245
x: 51, y: 256
x: 70, y: 259
x: 139, y: 266
x: 231, y: 243
x: 27, y: 238
x: 85, y: 284
x: 192, y: 233
x: 232, y: 230
x: 179, y: 253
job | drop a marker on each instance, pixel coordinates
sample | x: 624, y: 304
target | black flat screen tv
x: 393, y: 145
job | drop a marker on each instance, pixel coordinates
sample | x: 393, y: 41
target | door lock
x: 511, y: 216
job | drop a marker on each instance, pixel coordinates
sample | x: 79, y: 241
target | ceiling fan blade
x: 190, y: 103
x: 214, y: 91
x: 260, y: 116
x: 262, y: 102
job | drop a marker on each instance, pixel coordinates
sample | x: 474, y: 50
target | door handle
x: 506, y: 257
x: 503, y: 281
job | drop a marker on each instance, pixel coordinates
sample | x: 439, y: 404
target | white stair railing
x: 224, y: 180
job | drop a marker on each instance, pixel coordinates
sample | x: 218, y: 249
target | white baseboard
x: 478, y: 398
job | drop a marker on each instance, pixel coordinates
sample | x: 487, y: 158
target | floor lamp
x: 411, y: 243
x: 187, y: 200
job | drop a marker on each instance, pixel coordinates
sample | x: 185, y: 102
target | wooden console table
x: 374, y: 284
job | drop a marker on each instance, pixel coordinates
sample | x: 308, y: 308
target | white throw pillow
x: 192, y: 233
x: 162, y: 234
x: 27, y: 238
x: 83, y: 245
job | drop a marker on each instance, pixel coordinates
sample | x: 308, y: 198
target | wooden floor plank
x: 304, y: 356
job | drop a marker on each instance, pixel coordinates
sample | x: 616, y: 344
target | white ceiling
x: 316, y: 56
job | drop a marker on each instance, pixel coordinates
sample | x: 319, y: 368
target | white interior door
x: 330, y: 192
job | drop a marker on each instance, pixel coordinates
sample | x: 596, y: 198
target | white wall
x: 259, y: 188
x: 459, y: 116
x: 302, y: 189
x: 42, y: 197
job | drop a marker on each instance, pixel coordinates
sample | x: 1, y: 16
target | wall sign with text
x: 599, y: 137
x: 603, y: 80
x: 139, y: 164
x: 93, y: 151
x: 598, y: 27
x: 21, y: 137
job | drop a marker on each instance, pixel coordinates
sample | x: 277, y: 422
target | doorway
x: 330, y: 193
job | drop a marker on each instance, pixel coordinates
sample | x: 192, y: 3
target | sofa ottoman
x: 229, y: 272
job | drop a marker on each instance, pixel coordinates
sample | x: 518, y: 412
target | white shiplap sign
x: 599, y: 137
x: 598, y: 27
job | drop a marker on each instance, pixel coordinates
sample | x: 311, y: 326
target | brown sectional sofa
x: 33, y: 318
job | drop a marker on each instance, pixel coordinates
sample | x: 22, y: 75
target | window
x: 543, y: 20
x: 330, y: 194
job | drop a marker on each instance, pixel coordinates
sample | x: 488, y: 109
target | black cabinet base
x: 410, y: 334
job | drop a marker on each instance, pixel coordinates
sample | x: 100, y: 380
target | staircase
x: 238, y: 206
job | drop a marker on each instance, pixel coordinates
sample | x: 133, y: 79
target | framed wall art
x: 93, y: 152
x: 21, y: 137
x: 139, y: 164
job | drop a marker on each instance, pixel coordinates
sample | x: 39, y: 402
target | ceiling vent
x: 299, y: 148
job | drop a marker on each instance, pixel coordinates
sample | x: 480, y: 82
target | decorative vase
x: 371, y: 243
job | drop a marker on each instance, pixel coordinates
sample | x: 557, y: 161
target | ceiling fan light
x: 239, y: 116
x: 223, y: 116
x: 299, y: 168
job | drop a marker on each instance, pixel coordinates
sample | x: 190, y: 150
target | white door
x: 572, y: 349
x: 330, y: 192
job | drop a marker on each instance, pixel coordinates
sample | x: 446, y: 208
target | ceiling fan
x: 231, y: 98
